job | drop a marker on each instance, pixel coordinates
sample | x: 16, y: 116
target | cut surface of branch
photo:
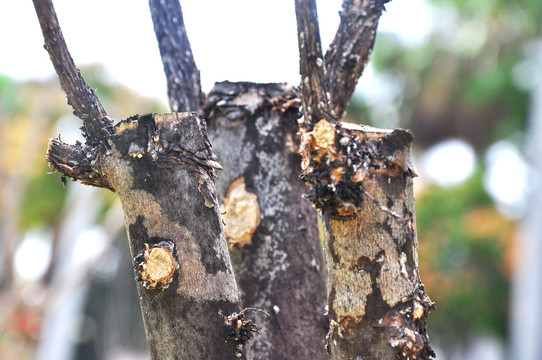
x: 78, y: 162
x: 350, y: 50
x: 81, y: 97
x: 183, y: 78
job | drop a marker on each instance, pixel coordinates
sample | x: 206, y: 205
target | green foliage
x: 8, y: 102
x: 43, y: 200
x: 462, y: 258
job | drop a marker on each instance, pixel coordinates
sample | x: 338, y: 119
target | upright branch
x: 81, y: 97
x: 350, y: 50
x: 183, y: 79
x: 313, y: 82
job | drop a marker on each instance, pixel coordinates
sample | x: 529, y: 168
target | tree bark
x: 350, y: 50
x: 163, y: 169
x: 81, y: 97
x: 279, y: 267
x: 159, y: 162
x: 183, y: 79
x: 375, y: 295
x: 360, y: 179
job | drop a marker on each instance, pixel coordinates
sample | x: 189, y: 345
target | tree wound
x: 241, y: 214
x: 157, y: 265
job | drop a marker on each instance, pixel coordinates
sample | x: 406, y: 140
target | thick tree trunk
x: 375, y: 296
x: 278, y: 264
x: 162, y: 167
x: 360, y: 179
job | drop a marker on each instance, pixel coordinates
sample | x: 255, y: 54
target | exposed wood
x: 252, y: 128
x: 81, y: 97
x: 350, y: 50
x: 183, y: 79
x: 377, y: 305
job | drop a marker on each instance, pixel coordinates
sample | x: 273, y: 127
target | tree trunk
x: 162, y: 167
x: 375, y: 295
x: 360, y: 179
x: 278, y: 266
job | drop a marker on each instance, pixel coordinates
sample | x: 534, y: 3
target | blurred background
x: 464, y: 76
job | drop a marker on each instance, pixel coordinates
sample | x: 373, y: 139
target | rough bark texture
x: 252, y: 128
x: 81, y: 97
x: 162, y: 168
x: 183, y: 79
x: 350, y: 50
x: 361, y: 180
x: 311, y: 62
x: 375, y: 296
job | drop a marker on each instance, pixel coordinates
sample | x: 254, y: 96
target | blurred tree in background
x: 468, y: 78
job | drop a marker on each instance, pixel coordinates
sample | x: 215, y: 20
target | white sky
x: 250, y: 40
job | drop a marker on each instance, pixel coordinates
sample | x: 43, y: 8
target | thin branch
x: 313, y: 91
x: 349, y: 52
x: 81, y: 97
x: 183, y: 78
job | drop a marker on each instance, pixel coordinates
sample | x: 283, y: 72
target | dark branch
x: 81, y: 97
x: 350, y: 50
x: 183, y: 79
x: 74, y: 161
x: 313, y: 91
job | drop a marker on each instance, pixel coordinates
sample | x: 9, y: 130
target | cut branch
x: 183, y: 78
x: 81, y: 97
x: 349, y: 52
x: 74, y: 161
x: 360, y: 179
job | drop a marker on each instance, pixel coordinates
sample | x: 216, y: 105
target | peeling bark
x: 252, y: 128
x: 377, y: 304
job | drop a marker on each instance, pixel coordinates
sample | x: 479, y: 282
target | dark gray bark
x: 183, y: 79
x: 350, y: 50
x: 81, y: 97
x: 163, y: 169
x: 253, y: 131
